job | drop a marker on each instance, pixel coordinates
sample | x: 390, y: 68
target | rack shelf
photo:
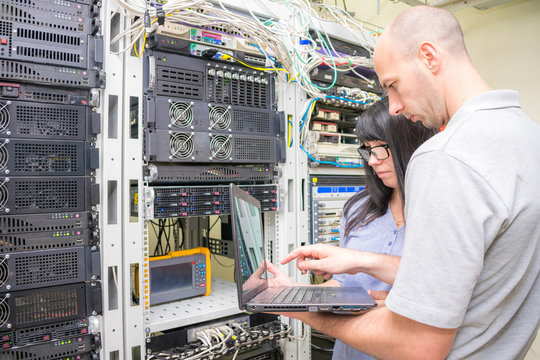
x: 221, y: 302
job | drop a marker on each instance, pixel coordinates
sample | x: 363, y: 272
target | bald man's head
x: 425, y: 23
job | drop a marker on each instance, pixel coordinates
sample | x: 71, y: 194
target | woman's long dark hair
x: 403, y: 138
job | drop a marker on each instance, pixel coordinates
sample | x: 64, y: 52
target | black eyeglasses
x: 380, y: 152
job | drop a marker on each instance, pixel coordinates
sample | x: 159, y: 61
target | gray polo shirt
x: 471, y: 258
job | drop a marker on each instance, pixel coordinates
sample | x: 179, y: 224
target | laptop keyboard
x: 298, y: 295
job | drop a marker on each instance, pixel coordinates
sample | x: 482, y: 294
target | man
x: 468, y: 284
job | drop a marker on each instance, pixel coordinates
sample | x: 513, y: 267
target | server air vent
x: 220, y: 147
x: 181, y: 145
x: 180, y: 114
x: 220, y: 117
x: 4, y: 116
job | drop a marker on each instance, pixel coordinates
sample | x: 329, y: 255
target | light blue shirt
x: 379, y: 236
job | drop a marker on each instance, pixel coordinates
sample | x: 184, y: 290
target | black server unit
x: 51, y: 56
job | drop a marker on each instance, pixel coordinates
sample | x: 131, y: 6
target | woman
x: 373, y: 220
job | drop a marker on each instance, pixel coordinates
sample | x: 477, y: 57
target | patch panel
x: 328, y: 195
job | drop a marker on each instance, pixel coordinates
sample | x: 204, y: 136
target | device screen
x: 171, y: 278
x: 250, y: 233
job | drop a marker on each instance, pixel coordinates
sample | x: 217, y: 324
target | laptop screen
x: 250, y: 241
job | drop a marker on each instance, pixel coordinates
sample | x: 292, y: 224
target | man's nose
x: 395, y: 107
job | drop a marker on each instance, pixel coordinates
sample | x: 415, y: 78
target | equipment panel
x: 34, y: 269
x: 43, y: 120
x: 166, y: 202
x: 45, y: 158
x: 62, y: 221
x: 27, y: 195
x: 30, y: 308
x: 328, y: 197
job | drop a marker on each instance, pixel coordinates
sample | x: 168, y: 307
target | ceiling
x: 454, y: 5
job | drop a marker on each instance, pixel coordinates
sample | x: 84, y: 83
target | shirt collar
x: 495, y: 99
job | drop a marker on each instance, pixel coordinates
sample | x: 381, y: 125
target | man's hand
x: 325, y: 260
x: 280, y: 278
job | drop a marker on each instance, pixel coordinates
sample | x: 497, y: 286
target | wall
x: 502, y: 41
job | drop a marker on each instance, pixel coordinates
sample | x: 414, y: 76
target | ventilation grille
x: 249, y: 94
x: 4, y: 116
x: 4, y: 156
x: 220, y: 117
x: 40, y: 269
x: 4, y: 311
x: 45, y: 158
x: 181, y: 145
x: 15, y: 243
x: 251, y: 121
x: 210, y: 174
x: 47, y: 304
x: 25, y: 72
x: 180, y: 113
x: 21, y: 11
x: 59, y: 56
x: 253, y: 149
x: 49, y: 37
x: 43, y: 121
x: 179, y: 90
x: 220, y: 147
x: 35, y: 223
x: 47, y: 96
x: 4, y: 195
x: 4, y: 271
x: 180, y: 75
x: 47, y: 195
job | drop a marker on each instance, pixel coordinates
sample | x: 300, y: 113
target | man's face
x: 411, y: 89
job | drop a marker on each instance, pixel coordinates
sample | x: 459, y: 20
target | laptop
x: 254, y: 292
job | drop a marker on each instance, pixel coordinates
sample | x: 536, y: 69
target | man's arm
x: 384, y: 334
x: 326, y: 260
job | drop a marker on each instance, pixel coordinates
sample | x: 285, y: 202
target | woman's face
x: 384, y: 168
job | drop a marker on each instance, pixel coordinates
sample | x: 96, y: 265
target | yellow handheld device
x: 180, y: 275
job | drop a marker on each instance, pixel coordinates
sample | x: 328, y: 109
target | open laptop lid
x: 249, y: 254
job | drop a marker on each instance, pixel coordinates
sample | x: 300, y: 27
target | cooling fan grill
x: 4, y: 311
x: 4, y: 155
x: 4, y: 271
x: 181, y: 145
x: 4, y: 116
x: 220, y: 117
x: 3, y: 194
x: 220, y: 146
x: 180, y: 113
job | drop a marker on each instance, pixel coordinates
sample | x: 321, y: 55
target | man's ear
x: 429, y: 56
